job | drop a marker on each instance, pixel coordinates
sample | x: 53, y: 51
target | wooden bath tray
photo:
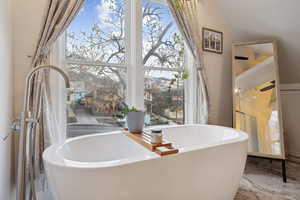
x: 165, y: 148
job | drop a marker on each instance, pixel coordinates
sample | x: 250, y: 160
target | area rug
x: 262, y: 181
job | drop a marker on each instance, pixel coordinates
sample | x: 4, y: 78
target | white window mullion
x: 93, y: 63
x: 190, y: 87
x: 164, y: 69
x: 135, y: 70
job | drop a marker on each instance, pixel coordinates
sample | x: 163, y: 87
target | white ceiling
x: 265, y: 19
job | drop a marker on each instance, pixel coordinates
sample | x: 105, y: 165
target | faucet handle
x: 16, y: 125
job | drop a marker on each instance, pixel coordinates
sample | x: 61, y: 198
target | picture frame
x: 212, y: 40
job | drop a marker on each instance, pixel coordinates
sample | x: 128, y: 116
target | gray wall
x: 218, y: 67
x: 27, y: 21
x: 6, y: 105
x: 248, y: 21
x: 277, y: 19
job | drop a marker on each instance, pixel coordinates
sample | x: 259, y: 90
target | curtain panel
x: 185, y: 15
x: 57, y: 17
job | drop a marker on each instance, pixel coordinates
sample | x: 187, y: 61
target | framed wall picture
x: 212, y: 40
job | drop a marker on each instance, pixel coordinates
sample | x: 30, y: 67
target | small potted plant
x: 134, y: 119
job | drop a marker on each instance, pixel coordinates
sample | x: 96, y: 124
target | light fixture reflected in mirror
x: 236, y: 90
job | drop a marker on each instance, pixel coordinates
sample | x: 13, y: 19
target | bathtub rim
x: 60, y: 161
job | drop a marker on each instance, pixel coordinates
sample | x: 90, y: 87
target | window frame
x: 133, y: 62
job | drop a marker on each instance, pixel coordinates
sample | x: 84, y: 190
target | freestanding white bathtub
x: 111, y: 166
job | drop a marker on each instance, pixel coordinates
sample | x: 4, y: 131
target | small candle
x: 156, y: 136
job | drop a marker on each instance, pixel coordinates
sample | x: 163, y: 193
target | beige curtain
x: 185, y: 14
x: 58, y: 15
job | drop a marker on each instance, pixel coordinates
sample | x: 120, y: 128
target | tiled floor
x: 262, y: 181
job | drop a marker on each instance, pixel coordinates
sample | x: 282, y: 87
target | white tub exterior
x: 111, y: 166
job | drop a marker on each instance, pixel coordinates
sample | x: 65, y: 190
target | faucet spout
x: 31, y: 75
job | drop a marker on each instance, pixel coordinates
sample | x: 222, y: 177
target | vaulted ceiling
x: 265, y: 19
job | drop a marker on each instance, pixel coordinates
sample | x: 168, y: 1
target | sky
x: 96, y: 11
x: 87, y: 16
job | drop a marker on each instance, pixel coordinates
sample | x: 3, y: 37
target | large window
x: 97, y: 34
x: 163, y: 53
x: 97, y: 45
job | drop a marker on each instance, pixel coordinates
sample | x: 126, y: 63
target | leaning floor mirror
x: 256, y: 98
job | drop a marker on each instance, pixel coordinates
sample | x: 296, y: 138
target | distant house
x: 177, y: 114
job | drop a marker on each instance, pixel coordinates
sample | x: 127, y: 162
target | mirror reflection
x: 255, y: 93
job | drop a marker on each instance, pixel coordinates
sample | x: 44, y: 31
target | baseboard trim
x: 293, y: 158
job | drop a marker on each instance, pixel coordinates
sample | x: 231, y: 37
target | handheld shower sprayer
x: 28, y: 121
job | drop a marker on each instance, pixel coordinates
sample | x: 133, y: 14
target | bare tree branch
x: 158, y: 43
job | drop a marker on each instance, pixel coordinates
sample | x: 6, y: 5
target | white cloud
x: 104, y: 9
x: 81, y: 10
